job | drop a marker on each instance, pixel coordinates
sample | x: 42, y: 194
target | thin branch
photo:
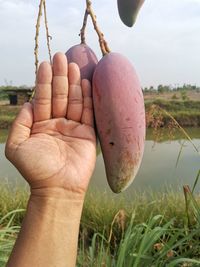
x: 37, y: 35
x: 37, y: 44
x: 42, y: 5
x: 48, y: 37
x: 103, y: 44
x: 82, y: 31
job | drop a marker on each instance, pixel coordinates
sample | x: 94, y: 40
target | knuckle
x: 75, y: 101
x: 42, y: 101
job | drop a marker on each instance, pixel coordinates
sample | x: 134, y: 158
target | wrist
x: 57, y: 203
x: 49, y: 233
x: 57, y: 193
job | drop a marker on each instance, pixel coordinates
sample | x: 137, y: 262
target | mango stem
x: 102, y: 42
x: 82, y: 31
x: 42, y: 6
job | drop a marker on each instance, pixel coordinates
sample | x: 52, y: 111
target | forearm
x: 49, y: 232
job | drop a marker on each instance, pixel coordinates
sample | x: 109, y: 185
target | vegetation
x: 175, y: 106
x: 169, y: 88
x: 7, y: 115
x: 153, y: 229
x: 3, y: 94
x: 186, y: 113
x: 182, y: 102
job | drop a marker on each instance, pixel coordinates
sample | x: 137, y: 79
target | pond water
x: 158, y: 170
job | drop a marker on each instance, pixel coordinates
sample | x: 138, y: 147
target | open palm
x: 52, y: 141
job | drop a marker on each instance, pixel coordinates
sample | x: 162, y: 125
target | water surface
x: 158, y: 169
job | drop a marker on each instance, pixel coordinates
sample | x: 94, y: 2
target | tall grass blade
x: 13, y: 212
x: 176, y: 262
x: 196, y: 181
x: 179, y: 154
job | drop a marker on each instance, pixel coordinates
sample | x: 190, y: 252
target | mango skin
x: 120, y: 119
x: 85, y: 58
x: 128, y: 10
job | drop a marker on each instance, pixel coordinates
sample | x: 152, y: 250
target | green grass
x: 3, y: 135
x: 12, y: 197
x: 100, y: 208
x: 143, y: 245
x: 3, y: 96
x: 175, y: 105
x: 9, y: 111
x: 151, y: 229
x: 186, y: 118
x: 7, y: 115
x: 8, y: 234
x: 186, y: 113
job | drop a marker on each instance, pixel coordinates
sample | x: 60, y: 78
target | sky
x: 163, y: 45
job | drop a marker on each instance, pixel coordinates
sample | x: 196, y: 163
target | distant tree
x: 184, y: 95
x: 187, y: 87
x: 151, y: 88
x: 163, y: 88
x: 145, y: 89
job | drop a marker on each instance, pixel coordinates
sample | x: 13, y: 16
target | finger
x: 42, y: 99
x: 20, y: 130
x: 60, y: 86
x: 87, y: 115
x: 75, y: 99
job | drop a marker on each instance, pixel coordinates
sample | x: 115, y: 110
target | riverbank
x: 150, y: 230
x: 159, y: 113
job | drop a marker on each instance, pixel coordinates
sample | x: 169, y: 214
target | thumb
x: 20, y: 130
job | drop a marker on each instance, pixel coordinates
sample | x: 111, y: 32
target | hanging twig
x: 47, y: 31
x: 82, y: 31
x: 103, y: 44
x: 37, y: 35
x: 42, y: 5
x: 37, y: 44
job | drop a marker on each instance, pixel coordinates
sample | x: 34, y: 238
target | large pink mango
x: 85, y: 58
x: 120, y: 119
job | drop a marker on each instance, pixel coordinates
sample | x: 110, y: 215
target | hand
x: 52, y: 141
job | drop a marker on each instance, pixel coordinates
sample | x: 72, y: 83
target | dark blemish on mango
x: 112, y: 143
x: 108, y: 131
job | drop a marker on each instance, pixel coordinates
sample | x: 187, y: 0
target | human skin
x: 53, y: 145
